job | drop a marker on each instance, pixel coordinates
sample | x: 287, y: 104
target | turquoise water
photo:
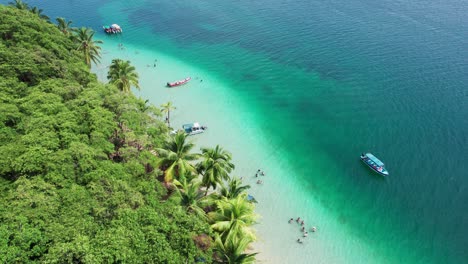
x: 325, y: 81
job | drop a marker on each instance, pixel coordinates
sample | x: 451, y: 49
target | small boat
x: 194, y: 128
x: 374, y: 163
x: 177, y: 83
x: 112, y: 29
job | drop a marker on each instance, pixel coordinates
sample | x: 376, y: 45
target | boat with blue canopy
x: 374, y: 163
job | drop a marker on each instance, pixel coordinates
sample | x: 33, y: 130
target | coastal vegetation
x: 123, y: 75
x: 90, y: 49
x: 167, y: 108
x: 90, y: 174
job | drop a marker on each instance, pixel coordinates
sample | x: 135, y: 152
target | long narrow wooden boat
x: 177, y: 83
x: 374, y: 163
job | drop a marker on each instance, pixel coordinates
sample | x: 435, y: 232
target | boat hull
x: 178, y: 83
x: 382, y: 171
x: 193, y: 129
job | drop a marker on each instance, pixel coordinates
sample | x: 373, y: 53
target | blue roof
x: 374, y: 159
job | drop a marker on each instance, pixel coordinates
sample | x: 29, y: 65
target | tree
x: 19, y: 4
x: 175, y: 157
x: 191, y: 197
x: 64, y: 199
x: 215, y: 166
x: 123, y: 75
x: 64, y: 26
x: 233, y: 217
x: 39, y: 13
x: 167, y: 108
x: 91, y: 51
x: 234, y: 188
x: 231, y: 250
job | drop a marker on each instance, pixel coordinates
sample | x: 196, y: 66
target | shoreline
x: 251, y: 150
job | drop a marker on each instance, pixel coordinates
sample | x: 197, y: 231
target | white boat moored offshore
x: 194, y: 128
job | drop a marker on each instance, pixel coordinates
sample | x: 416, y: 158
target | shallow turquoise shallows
x: 316, y: 83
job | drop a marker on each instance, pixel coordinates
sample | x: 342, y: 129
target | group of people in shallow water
x: 305, y: 233
x: 259, y: 172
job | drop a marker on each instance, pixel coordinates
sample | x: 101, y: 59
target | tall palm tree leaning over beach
x: 175, y: 157
x: 231, y: 250
x: 64, y: 26
x: 191, y: 197
x: 167, y: 108
x: 215, y: 166
x: 123, y: 75
x: 233, y: 218
x: 233, y: 189
x: 83, y: 38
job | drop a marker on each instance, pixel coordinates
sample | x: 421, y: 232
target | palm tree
x: 233, y: 217
x: 19, y: 4
x: 167, y: 108
x: 175, y: 157
x: 123, y: 75
x: 84, y: 39
x: 215, y: 166
x: 191, y: 197
x: 38, y: 12
x: 233, y: 188
x: 64, y: 26
x: 231, y: 251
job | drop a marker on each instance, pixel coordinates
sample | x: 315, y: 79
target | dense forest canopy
x: 85, y: 166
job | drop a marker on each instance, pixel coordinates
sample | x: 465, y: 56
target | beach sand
x: 236, y: 128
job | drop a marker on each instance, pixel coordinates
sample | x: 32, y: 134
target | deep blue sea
x: 337, y: 78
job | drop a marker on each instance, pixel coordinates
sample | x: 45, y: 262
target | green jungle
x: 91, y: 174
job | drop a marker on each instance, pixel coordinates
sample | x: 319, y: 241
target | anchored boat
x: 177, y: 83
x: 194, y: 128
x: 112, y: 29
x: 374, y: 163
